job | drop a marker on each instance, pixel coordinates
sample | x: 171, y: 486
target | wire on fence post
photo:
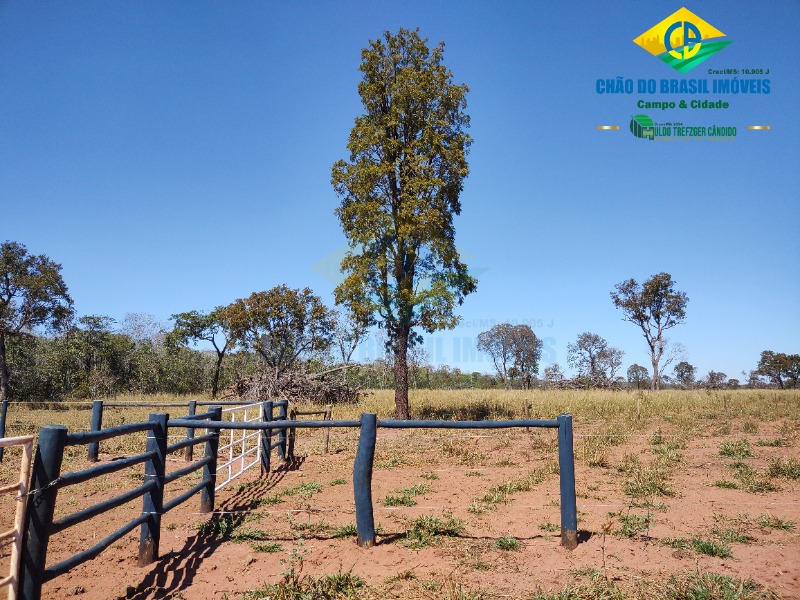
x: 210, y: 469
x: 188, y: 453
x: 93, y: 450
x: 153, y: 501
x: 41, y: 505
x: 566, y: 469
x: 362, y: 480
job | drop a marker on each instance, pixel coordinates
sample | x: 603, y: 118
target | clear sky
x: 177, y: 155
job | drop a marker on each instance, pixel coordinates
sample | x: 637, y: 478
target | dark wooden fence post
x: 362, y: 480
x: 326, y: 432
x: 41, y: 505
x: 292, y: 434
x: 266, y: 438
x: 3, y: 413
x: 97, y: 424
x: 283, y: 409
x: 153, y: 501
x: 188, y: 453
x: 566, y: 469
x: 210, y: 470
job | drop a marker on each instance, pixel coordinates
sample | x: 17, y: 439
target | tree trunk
x: 401, y: 374
x: 4, y: 377
x: 654, y: 384
x: 215, y: 383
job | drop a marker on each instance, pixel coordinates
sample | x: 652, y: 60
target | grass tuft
x: 735, y: 449
x: 507, y: 543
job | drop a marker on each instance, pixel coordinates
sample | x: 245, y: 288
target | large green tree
x: 655, y: 306
x: 782, y: 369
x: 399, y: 193
x: 283, y: 325
x: 195, y: 326
x: 32, y: 295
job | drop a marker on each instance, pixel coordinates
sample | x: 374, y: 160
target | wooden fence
x: 47, y: 479
x: 15, y: 534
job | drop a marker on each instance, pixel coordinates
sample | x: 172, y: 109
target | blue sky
x: 177, y: 155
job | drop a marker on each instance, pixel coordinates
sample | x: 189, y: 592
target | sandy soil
x: 458, y: 470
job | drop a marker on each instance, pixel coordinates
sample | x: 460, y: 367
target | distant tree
x: 282, y: 325
x: 32, y: 294
x: 96, y: 360
x: 512, y: 346
x: 526, y: 350
x: 417, y: 361
x: 497, y: 343
x: 194, y: 326
x: 734, y: 384
x: 639, y: 375
x: 143, y: 328
x: 400, y: 191
x: 781, y: 369
x: 597, y: 363
x: 715, y: 380
x: 348, y: 332
x: 553, y: 375
x: 684, y: 374
x: 655, y: 306
x: 673, y: 353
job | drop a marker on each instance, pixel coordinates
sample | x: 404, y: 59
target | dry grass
x: 606, y: 425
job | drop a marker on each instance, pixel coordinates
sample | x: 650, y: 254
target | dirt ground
x: 296, y: 520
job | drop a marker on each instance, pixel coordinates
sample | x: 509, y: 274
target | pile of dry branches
x: 295, y: 386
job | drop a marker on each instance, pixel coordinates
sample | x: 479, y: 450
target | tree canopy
x: 282, y: 325
x: 197, y: 326
x: 399, y: 193
x: 685, y: 373
x: 781, y: 369
x: 639, y: 375
x: 597, y: 363
x: 655, y: 306
x: 514, y: 349
x: 32, y: 294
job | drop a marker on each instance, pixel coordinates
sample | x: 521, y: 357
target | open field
x: 680, y: 494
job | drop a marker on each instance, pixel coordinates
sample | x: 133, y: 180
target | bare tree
x: 348, y: 333
x: 553, y: 376
x: 673, y: 353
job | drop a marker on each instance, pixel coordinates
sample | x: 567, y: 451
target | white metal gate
x: 243, y: 447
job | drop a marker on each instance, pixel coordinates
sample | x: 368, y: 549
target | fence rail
x: 15, y: 533
x: 327, y: 415
x: 47, y: 478
x: 365, y: 454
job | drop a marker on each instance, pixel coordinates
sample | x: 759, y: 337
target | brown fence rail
x: 21, y: 490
